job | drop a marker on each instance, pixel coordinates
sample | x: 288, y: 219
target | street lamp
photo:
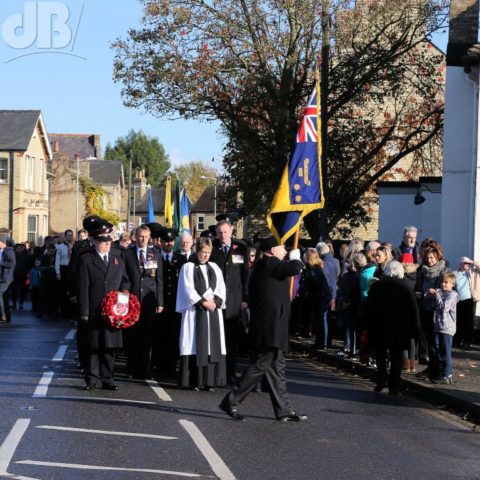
x: 134, y: 200
x: 214, y: 194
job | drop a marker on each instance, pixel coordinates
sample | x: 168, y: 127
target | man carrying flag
x: 299, y: 193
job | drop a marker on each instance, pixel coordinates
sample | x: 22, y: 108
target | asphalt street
x: 51, y: 429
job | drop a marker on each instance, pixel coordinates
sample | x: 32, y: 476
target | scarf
x: 433, y: 272
x: 201, y: 320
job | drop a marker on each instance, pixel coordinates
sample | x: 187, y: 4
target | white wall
x: 397, y: 210
x: 459, y: 166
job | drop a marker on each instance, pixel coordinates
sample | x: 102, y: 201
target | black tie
x: 142, y: 259
x: 105, y: 260
x: 225, y: 250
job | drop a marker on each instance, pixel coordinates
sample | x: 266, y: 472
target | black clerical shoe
x: 109, y: 386
x: 89, y: 387
x: 232, y: 412
x: 293, y: 417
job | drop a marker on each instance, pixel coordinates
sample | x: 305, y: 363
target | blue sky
x: 77, y: 95
x: 72, y: 83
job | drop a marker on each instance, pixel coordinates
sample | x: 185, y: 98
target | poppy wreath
x: 120, y: 317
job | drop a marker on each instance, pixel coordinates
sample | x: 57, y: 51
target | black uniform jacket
x: 234, y: 267
x: 146, y: 284
x: 95, y: 281
x: 170, y: 280
x: 269, y: 301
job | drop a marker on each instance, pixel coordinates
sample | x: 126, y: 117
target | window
x: 29, y: 172
x: 32, y: 228
x: 3, y: 170
x: 201, y: 222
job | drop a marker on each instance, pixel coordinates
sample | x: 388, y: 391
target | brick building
x: 24, y: 155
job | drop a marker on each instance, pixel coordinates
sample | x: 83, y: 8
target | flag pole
x: 295, y: 246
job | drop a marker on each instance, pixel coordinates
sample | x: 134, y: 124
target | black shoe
x: 89, y: 387
x: 232, y: 412
x: 293, y: 417
x: 394, y: 392
x: 110, y: 386
x: 423, y: 360
x: 379, y: 388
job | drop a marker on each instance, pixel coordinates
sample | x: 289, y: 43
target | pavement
x: 462, y: 398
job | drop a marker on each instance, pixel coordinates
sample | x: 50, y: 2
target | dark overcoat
x: 391, y: 314
x: 269, y: 295
x: 234, y: 267
x: 95, y: 281
x: 146, y: 284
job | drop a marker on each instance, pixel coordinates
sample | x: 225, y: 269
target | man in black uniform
x: 231, y: 256
x: 269, y: 303
x: 166, y: 348
x: 144, y: 269
x: 100, y: 272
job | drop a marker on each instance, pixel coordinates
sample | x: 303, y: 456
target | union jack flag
x: 307, y: 131
x: 300, y: 190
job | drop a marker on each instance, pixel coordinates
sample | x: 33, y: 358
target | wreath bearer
x: 100, y: 272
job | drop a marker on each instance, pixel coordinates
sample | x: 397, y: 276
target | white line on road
x: 159, y: 391
x: 42, y: 387
x: 58, y: 357
x: 100, y: 399
x: 101, y: 467
x: 10, y: 444
x: 212, y: 457
x: 107, y: 432
x: 70, y: 335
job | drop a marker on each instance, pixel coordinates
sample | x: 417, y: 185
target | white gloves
x: 294, y: 254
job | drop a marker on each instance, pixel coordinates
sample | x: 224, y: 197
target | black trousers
x: 271, y: 363
x: 138, y: 345
x: 465, y: 315
x: 232, y: 327
x: 392, y: 377
x: 100, y: 367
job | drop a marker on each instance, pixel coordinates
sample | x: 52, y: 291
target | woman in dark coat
x: 315, y: 294
x: 429, y: 275
x: 392, y: 318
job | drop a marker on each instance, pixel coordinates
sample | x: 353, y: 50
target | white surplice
x: 187, y: 297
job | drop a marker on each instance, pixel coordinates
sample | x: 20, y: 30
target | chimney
x: 97, y: 148
x: 463, y: 30
x: 56, y: 146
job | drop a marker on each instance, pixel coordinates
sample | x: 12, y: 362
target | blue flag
x: 185, y: 213
x: 151, y: 214
x: 300, y: 190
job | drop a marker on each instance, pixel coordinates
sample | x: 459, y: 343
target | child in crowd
x: 445, y: 321
x: 35, y: 286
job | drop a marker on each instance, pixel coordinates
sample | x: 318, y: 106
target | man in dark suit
x: 7, y: 268
x: 100, y: 272
x: 166, y: 348
x: 231, y: 256
x: 269, y: 302
x: 144, y: 269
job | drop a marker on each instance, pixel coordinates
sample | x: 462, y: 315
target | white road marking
x: 58, y: 357
x: 107, y: 432
x: 101, y: 467
x: 70, y: 335
x: 10, y: 444
x: 101, y: 399
x: 159, y: 391
x: 212, y: 457
x: 42, y: 387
